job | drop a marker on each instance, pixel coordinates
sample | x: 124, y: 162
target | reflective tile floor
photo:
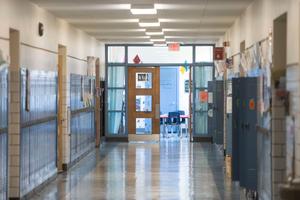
x: 171, y: 169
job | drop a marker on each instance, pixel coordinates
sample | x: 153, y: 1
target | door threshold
x: 137, y: 138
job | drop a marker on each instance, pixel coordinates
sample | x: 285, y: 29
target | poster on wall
x: 229, y: 105
x: 203, y: 96
x: 290, y: 147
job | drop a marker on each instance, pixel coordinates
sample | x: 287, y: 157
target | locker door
x: 3, y: 131
x: 219, y: 109
x: 236, y: 101
x: 242, y: 140
x: 228, y: 112
x: 250, y: 134
x: 210, y: 112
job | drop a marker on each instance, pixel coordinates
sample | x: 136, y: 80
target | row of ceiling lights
x: 152, y: 26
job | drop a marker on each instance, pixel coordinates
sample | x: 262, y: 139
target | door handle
x: 157, y: 111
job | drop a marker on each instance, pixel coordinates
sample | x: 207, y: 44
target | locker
x: 229, y: 119
x: 218, y: 112
x: 250, y: 133
x: 3, y: 131
x: 244, y: 135
x: 236, y: 117
x: 38, y: 128
x: 82, y: 115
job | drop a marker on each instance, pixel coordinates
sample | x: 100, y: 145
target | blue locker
x: 218, y: 105
x: 244, y: 134
x: 3, y: 131
x: 250, y: 133
x: 236, y: 106
x: 229, y: 120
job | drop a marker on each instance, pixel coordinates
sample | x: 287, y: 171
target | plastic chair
x: 173, y: 120
x: 183, y: 124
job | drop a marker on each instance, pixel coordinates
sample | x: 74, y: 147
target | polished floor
x: 171, y: 169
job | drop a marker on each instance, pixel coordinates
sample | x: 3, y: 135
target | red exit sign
x: 174, y: 47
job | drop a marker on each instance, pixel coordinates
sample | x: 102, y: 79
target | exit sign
x: 174, y: 47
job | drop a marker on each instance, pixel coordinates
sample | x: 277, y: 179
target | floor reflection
x: 171, y: 169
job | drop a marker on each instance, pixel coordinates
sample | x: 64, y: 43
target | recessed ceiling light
x: 154, y: 33
x: 158, y: 40
x: 149, y: 23
x: 143, y: 9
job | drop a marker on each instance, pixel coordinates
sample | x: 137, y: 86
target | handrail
x: 38, y: 121
x: 82, y: 110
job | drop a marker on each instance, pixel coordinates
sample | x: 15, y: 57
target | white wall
x: 256, y: 22
x: 25, y: 16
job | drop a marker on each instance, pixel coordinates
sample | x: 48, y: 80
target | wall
x: 25, y: 16
x: 256, y: 22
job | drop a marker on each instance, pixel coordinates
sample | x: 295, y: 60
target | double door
x: 244, y: 135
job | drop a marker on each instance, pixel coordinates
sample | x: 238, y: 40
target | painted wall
x: 25, y: 16
x: 256, y: 22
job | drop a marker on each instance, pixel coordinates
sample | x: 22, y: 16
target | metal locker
x: 236, y: 105
x: 229, y: 118
x: 219, y: 112
x: 3, y: 131
x: 241, y: 132
x: 250, y: 133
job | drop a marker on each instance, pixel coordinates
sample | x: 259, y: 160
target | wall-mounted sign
x: 143, y: 76
x: 203, y: 96
x: 219, y: 53
x: 137, y: 59
x: 174, y: 47
x: 186, y: 86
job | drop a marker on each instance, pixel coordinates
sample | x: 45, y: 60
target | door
x: 168, y: 89
x: 143, y: 103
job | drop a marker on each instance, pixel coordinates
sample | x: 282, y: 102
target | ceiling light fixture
x: 143, y: 9
x: 149, y: 23
x: 158, y: 40
x: 154, y: 33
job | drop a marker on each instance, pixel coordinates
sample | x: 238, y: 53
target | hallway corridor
x: 172, y: 169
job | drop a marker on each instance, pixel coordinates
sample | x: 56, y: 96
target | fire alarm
x: 41, y: 29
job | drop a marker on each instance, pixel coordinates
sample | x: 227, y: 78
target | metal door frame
x: 125, y: 64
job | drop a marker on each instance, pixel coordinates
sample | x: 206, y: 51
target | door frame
x: 126, y: 65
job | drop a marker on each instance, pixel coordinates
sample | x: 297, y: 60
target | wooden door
x: 143, y: 103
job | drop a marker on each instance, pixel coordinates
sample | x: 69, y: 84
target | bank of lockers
x: 38, y: 140
x: 216, y: 111
x: 82, y: 115
x: 244, y: 134
x: 3, y: 131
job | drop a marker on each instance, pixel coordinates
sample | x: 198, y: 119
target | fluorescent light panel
x: 154, y: 33
x: 157, y: 40
x: 149, y: 23
x: 143, y: 9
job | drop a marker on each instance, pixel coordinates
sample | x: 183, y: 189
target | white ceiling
x: 187, y: 21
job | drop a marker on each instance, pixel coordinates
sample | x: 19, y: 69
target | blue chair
x: 183, y: 122
x: 173, y: 120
